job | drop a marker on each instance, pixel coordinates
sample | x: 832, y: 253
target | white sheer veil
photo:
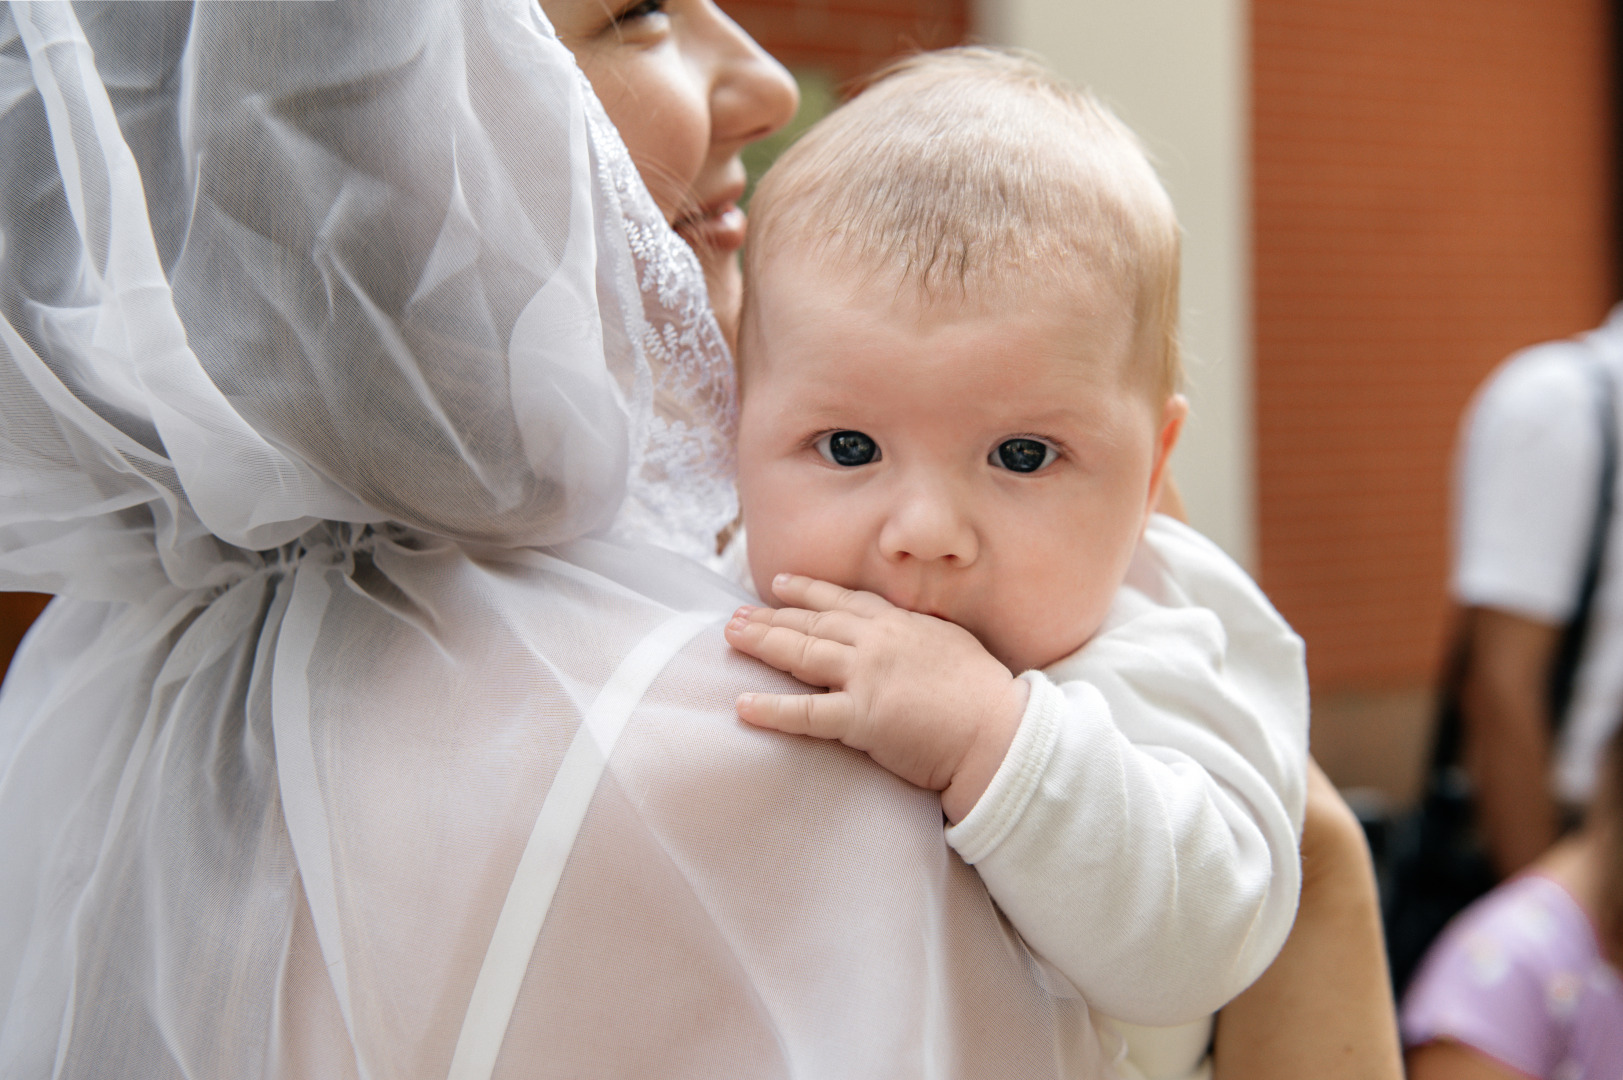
x: 368, y: 422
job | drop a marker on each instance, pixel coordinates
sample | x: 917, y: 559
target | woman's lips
x: 721, y: 229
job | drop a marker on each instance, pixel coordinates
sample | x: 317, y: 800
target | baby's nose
x: 929, y: 525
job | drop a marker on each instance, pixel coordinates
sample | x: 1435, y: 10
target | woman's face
x: 688, y: 89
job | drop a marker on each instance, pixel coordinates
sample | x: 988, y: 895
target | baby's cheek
x: 773, y: 526
x: 801, y: 539
x: 783, y: 545
x: 1054, y: 615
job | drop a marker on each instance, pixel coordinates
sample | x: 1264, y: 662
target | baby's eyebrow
x: 832, y: 409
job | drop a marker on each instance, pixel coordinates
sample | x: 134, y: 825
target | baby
x: 959, y: 371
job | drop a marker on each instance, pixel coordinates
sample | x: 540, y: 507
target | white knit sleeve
x: 1142, y: 832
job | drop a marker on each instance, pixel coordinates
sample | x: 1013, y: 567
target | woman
x: 354, y: 395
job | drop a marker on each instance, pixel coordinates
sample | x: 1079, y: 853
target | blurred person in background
x: 1542, y: 686
x: 1526, y: 981
x: 1534, y: 688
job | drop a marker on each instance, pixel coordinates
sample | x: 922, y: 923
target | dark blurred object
x: 1435, y: 861
x: 17, y: 613
x: 1436, y: 866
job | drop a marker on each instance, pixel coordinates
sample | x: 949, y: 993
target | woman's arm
x: 1324, y: 1008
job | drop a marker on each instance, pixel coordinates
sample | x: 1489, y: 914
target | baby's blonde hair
x: 976, y: 169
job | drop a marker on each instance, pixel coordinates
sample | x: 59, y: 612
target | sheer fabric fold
x: 369, y: 423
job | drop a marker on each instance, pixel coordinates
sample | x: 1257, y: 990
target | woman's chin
x: 724, y: 281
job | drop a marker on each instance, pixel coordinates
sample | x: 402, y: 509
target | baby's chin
x: 1019, y: 649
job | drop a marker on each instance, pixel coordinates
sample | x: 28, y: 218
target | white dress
x: 353, y: 398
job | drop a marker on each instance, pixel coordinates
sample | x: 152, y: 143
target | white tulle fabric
x: 367, y: 420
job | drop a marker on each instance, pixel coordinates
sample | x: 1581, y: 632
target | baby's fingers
x: 822, y: 716
x: 840, y: 626
x: 797, y: 590
x: 810, y: 659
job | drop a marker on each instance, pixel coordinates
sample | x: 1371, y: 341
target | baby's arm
x: 1143, y: 833
x: 1141, y: 828
x: 919, y: 695
x: 1159, y: 876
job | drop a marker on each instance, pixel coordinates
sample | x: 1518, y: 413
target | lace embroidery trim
x: 679, y: 491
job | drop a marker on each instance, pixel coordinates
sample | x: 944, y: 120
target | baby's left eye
x: 848, y: 448
x: 1023, y: 455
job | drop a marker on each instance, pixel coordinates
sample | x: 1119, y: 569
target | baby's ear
x: 1163, y: 494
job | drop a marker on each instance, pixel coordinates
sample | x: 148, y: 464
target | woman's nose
x: 930, y: 526
x: 752, y: 95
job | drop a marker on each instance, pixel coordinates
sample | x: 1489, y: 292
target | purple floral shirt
x: 1519, y: 976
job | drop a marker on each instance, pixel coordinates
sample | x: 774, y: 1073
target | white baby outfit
x: 1142, y: 834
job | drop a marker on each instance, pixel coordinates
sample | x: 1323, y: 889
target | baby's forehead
x: 807, y: 295
x: 976, y: 175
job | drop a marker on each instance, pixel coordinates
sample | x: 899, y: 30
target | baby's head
x: 959, y: 354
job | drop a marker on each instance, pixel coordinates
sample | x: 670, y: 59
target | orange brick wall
x: 849, y: 38
x: 1432, y: 191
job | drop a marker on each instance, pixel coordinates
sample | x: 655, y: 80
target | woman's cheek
x: 668, y: 179
x: 669, y: 141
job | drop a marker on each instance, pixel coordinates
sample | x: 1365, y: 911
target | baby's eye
x: 1023, y: 455
x: 849, y: 448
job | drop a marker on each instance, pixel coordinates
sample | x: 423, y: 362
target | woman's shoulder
x: 1513, y: 977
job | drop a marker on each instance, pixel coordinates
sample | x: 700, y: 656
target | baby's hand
x: 919, y: 695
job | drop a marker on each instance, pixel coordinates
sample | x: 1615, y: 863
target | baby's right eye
x: 848, y: 448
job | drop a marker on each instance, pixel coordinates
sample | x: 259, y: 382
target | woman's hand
x: 919, y: 695
x: 1323, y: 1009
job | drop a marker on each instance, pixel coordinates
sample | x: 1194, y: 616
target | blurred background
x: 1381, y: 199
